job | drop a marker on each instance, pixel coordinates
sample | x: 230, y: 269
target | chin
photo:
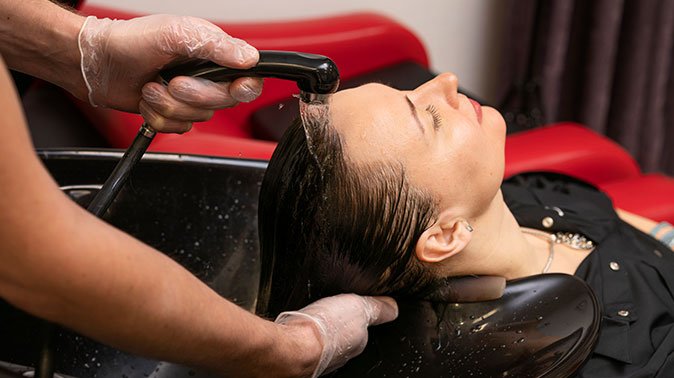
x: 493, y: 120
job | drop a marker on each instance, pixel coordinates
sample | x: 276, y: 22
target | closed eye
x: 435, y: 114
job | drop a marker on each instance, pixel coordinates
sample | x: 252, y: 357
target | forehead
x: 360, y: 104
x: 370, y: 120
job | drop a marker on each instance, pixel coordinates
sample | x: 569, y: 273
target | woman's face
x: 448, y: 143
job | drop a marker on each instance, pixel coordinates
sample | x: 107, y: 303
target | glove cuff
x: 91, y: 41
x: 327, y: 350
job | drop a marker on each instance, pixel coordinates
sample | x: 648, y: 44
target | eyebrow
x: 413, y: 110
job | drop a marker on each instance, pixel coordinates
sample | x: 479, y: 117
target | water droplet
x: 477, y: 328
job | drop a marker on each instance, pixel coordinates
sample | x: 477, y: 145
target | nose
x: 445, y: 85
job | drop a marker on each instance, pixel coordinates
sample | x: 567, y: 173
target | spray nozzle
x: 316, y: 75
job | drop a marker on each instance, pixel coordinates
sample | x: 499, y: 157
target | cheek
x: 464, y: 165
x: 476, y: 156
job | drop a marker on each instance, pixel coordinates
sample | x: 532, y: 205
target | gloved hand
x: 121, y: 60
x: 342, y: 323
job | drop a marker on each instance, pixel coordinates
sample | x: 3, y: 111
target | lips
x: 478, y: 109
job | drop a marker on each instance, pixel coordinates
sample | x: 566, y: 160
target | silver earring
x: 468, y: 226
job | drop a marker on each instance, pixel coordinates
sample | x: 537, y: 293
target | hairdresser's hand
x: 121, y: 60
x: 341, y: 322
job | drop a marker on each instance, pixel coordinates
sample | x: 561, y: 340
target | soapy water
x: 315, y: 119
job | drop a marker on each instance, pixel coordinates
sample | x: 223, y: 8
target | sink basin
x: 200, y: 211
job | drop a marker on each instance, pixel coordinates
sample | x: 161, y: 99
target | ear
x: 444, y: 239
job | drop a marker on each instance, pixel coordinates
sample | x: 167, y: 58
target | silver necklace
x: 573, y: 240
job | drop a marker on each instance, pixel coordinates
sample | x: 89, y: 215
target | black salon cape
x: 637, y: 295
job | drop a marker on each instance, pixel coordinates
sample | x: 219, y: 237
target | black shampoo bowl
x: 200, y: 211
x: 543, y: 326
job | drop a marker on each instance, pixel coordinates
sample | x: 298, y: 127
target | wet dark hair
x: 328, y: 225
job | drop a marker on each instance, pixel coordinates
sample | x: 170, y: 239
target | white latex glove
x: 121, y: 60
x: 342, y: 323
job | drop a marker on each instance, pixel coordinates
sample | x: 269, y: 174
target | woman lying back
x: 390, y: 192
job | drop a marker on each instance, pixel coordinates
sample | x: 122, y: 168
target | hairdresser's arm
x: 120, y: 60
x: 62, y: 264
x: 641, y: 223
x: 39, y: 38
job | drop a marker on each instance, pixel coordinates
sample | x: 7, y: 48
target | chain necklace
x: 573, y: 240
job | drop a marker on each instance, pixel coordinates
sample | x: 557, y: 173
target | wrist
x: 664, y: 232
x: 65, y: 71
x: 301, y: 345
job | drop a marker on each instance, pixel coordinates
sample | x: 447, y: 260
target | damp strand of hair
x: 315, y: 118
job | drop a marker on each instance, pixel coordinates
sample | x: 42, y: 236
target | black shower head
x: 316, y: 75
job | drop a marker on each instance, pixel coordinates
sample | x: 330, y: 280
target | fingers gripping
x: 120, y: 57
x: 197, y: 38
x: 209, y: 95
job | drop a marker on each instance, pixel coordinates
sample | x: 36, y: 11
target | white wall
x: 460, y: 35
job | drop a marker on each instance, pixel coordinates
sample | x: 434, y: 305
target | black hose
x: 45, y: 363
x: 120, y: 174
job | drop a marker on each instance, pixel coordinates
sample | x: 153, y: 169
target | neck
x: 498, y: 246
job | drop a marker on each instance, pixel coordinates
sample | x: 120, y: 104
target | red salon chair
x: 370, y: 47
x: 574, y: 150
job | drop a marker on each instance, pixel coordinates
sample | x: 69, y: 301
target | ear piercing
x: 467, y: 225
